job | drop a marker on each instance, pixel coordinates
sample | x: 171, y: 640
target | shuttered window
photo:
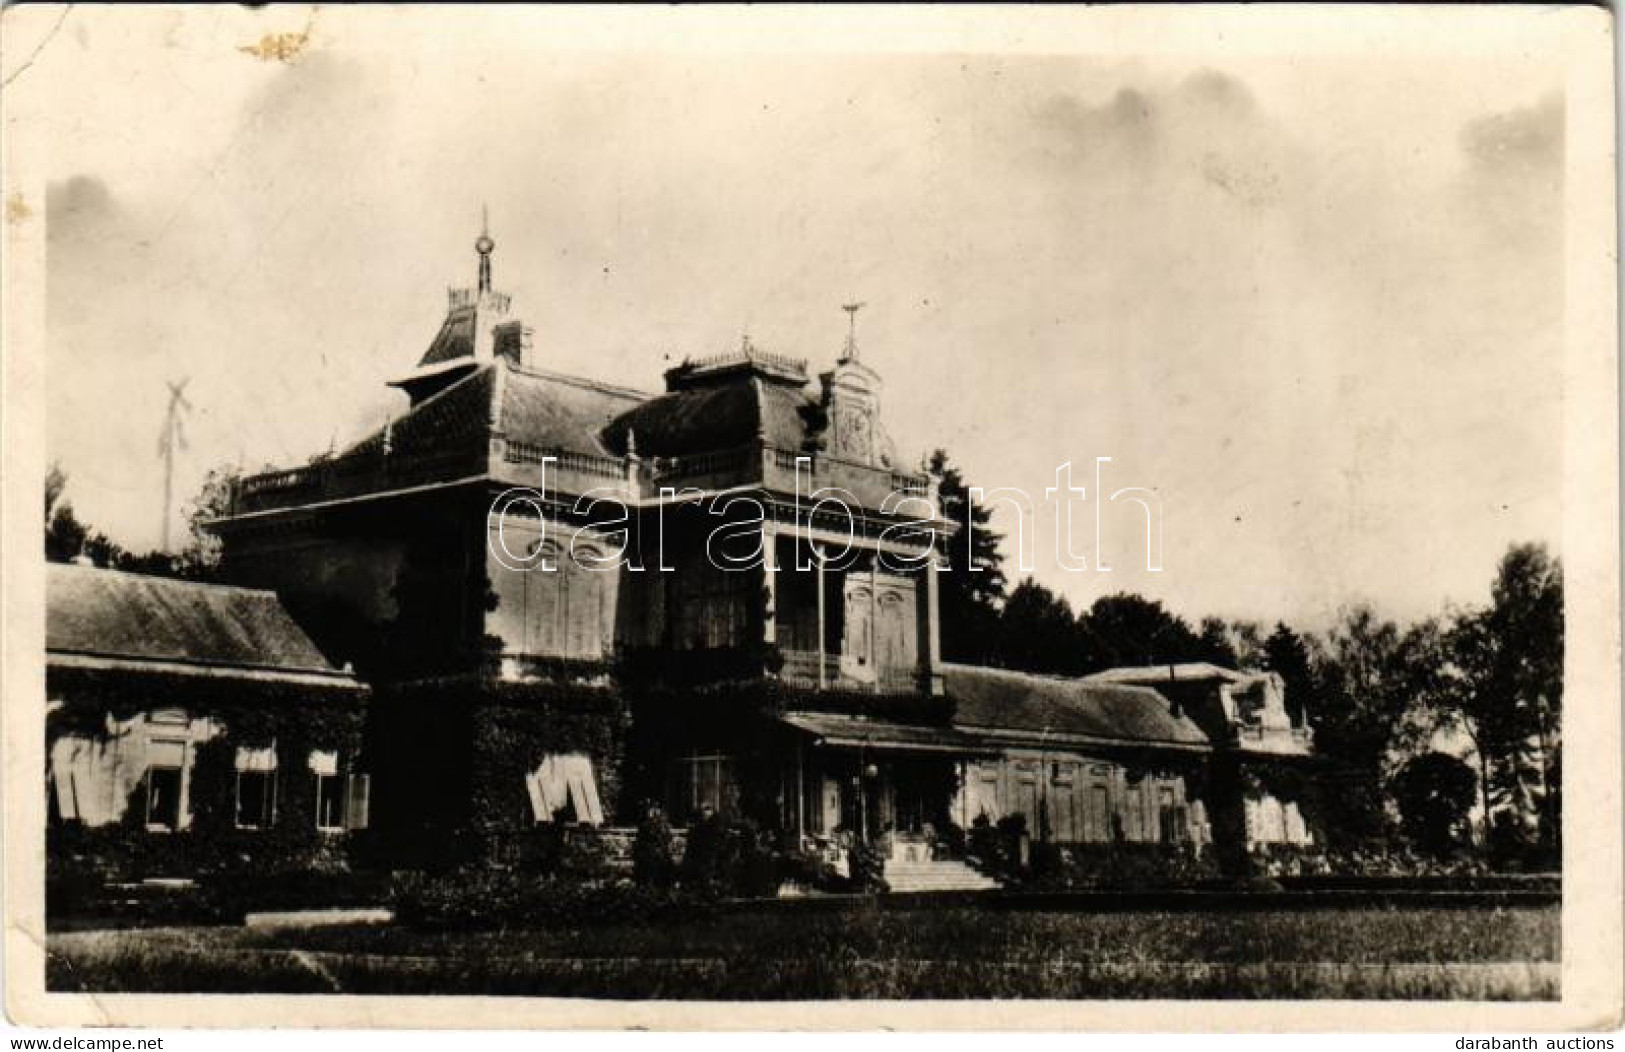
x: 357, y: 801
x: 562, y: 789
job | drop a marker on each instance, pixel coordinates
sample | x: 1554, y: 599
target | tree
x: 971, y: 588
x: 1500, y: 684
x: 200, y: 559
x: 67, y: 538
x: 1126, y: 629
x: 1246, y: 640
x: 64, y: 533
x: 1037, y: 632
x: 1214, y: 644
x: 1434, y: 791
x: 1363, y: 688
x: 1287, y: 654
x: 1526, y: 619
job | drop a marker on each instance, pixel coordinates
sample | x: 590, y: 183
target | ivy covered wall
x: 453, y: 755
x: 97, y: 706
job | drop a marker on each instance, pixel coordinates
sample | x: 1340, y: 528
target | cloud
x: 1209, y: 87
x: 1078, y: 130
x: 1530, y: 137
x: 1512, y: 188
x: 1207, y: 126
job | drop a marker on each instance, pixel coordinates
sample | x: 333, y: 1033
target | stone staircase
x: 939, y: 875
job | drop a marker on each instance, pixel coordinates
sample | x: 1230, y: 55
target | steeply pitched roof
x: 455, y: 338
x: 110, y: 614
x: 986, y: 698
x: 459, y: 416
x: 729, y: 413
x: 549, y: 410
x: 555, y: 411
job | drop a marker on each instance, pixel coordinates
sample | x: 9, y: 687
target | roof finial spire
x: 483, y: 246
x: 851, y: 329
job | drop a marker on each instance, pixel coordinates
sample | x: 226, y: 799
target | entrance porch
x: 890, y: 785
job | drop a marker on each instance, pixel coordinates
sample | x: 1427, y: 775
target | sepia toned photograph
x: 761, y: 505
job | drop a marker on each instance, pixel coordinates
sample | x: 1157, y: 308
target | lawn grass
x: 862, y: 953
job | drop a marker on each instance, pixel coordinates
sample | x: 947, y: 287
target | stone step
x: 943, y: 885
x: 942, y: 875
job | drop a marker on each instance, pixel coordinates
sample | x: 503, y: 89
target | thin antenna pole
x: 173, y: 437
x: 169, y: 490
x: 852, y: 328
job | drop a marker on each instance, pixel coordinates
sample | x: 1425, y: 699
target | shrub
x: 985, y: 846
x: 484, y: 899
x: 757, y: 872
x: 654, y: 852
x: 867, y: 866
x: 240, y: 894
x: 1512, y: 843
x: 581, y: 853
x: 1120, y: 866
x: 725, y: 858
x: 1013, y: 841
x: 1435, y: 793
x: 808, y: 869
x: 711, y: 857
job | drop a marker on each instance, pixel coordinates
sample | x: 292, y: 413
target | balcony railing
x: 585, y: 463
x: 801, y: 669
x: 368, y: 468
x: 1252, y: 733
x: 699, y: 465
x: 360, y: 471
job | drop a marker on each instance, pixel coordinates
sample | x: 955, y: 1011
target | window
x: 256, y: 788
x: 328, y: 802
x: 1100, y: 814
x: 1172, y: 821
x: 896, y: 638
x: 342, y: 799
x: 1134, y: 819
x: 701, y: 784
x: 163, y: 797
x: 329, y: 790
x: 166, y: 783
x: 256, y: 791
x: 562, y: 789
x: 985, y: 793
x: 710, y: 610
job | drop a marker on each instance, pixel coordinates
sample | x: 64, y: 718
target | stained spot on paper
x: 17, y: 209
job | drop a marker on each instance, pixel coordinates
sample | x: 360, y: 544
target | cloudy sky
x: 1314, y: 301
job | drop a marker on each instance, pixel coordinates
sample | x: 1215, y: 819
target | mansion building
x: 559, y: 599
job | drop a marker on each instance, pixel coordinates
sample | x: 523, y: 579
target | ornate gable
x: 851, y: 403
